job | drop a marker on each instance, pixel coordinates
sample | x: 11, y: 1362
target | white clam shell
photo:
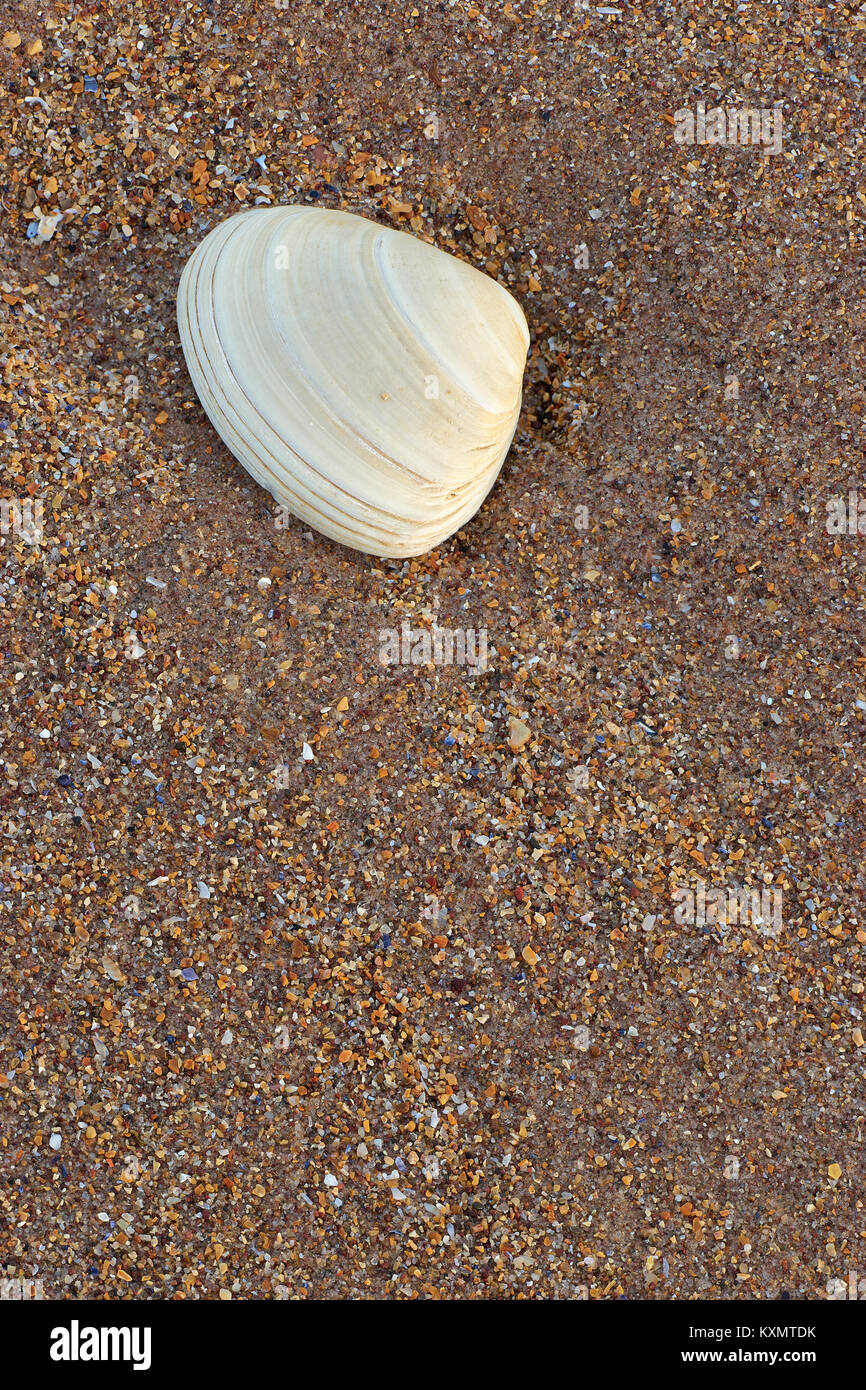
x: 369, y: 381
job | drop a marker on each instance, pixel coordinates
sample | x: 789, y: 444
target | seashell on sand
x: 368, y: 380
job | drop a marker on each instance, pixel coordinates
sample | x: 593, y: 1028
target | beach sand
x: 323, y: 978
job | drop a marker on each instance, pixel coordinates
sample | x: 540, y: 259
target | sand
x: 325, y: 978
